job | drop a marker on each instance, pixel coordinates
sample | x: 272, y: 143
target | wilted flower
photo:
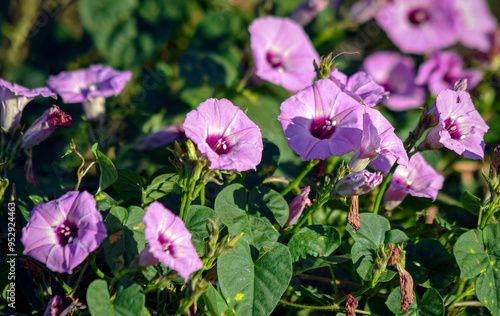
x: 378, y: 138
x: 461, y: 128
x: 225, y: 134
x: 474, y: 23
x: 90, y: 86
x: 350, y: 306
x: 396, y: 73
x: 164, y: 137
x: 169, y: 242
x: 282, y: 52
x: 13, y: 99
x: 45, y: 125
x: 307, y: 11
x: 321, y: 120
x: 418, y: 179
x: 406, y: 284
x: 357, y: 183
x: 54, y: 307
x: 443, y: 69
x: 394, y: 259
x: 298, y: 204
x: 360, y: 86
x: 418, y: 26
x: 63, y: 232
x: 353, y: 217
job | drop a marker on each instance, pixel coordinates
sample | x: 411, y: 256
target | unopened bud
x: 357, y: 183
x: 191, y: 150
x: 45, y: 125
x: 298, y: 204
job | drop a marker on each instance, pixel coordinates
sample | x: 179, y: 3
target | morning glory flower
x: 222, y: 132
x: 169, y: 242
x: 443, y: 69
x: 13, y: 99
x: 63, y: 232
x: 162, y: 138
x: 282, y: 52
x: 360, y: 86
x: 90, y: 86
x: 461, y: 128
x: 357, y: 183
x: 298, y: 204
x: 418, y: 179
x: 418, y: 26
x: 321, y: 121
x: 474, y: 23
x: 378, y: 138
x: 44, y: 126
x: 396, y: 73
x: 307, y: 11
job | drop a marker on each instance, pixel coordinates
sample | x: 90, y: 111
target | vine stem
x: 64, y: 285
x: 383, y: 188
x: 78, y: 280
x: 310, y: 164
x: 461, y: 296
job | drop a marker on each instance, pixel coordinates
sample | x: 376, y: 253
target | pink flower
x: 298, y: 204
x: 225, y: 134
x: 45, y: 125
x: 162, y: 138
x: 360, y: 86
x: 461, y: 128
x: 282, y: 52
x: 63, y: 232
x: 357, y: 183
x: 396, y: 73
x: 443, y: 69
x: 169, y: 242
x: 322, y: 121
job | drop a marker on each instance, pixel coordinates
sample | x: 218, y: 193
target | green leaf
x: 471, y: 203
x: 319, y: 262
x: 432, y: 265
x: 104, y: 201
x: 128, y: 302
x: 431, y: 304
x: 215, y: 303
x: 267, y: 212
x: 161, y: 186
x: 313, y: 241
x: 395, y: 236
x: 129, y: 186
x: 108, y: 171
x: 253, y: 285
x: 443, y: 223
x: 367, y: 240
x: 196, y: 223
x: 470, y: 255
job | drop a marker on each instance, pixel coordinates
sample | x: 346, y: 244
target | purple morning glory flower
x: 282, y: 52
x: 89, y: 86
x: 461, y: 128
x: 396, y: 73
x: 474, y: 23
x: 298, y: 204
x: 45, y: 125
x: 63, y: 232
x: 443, y: 69
x: 418, y: 179
x: 169, y: 242
x: 164, y: 137
x: 360, y: 86
x: 357, y: 183
x: 378, y: 138
x: 418, y: 26
x: 222, y: 132
x: 322, y: 121
x: 13, y: 99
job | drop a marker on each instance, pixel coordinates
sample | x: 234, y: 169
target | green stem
x: 310, y: 164
x: 79, y: 279
x: 96, y: 269
x: 330, y: 307
x: 64, y: 285
x: 383, y: 188
x: 461, y: 296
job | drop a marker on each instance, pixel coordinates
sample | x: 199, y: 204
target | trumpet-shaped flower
x: 418, y: 26
x: 443, y: 69
x: 396, y: 73
x: 418, y: 179
x: 461, y: 128
x: 63, y: 232
x: 298, y: 204
x: 357, y: 183
x: 322, y: 121
x: 13, y: 99
x: 222, y: 132
x: 282, y: 52
x: 90, y: 86
x: 360, y: 86
x: 378, y: 138
x: 169, y: 242
x: 45, y: 125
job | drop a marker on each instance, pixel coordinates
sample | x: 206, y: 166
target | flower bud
x: 45, y: 125
x: 357, y: 183
x: 298, y: 204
